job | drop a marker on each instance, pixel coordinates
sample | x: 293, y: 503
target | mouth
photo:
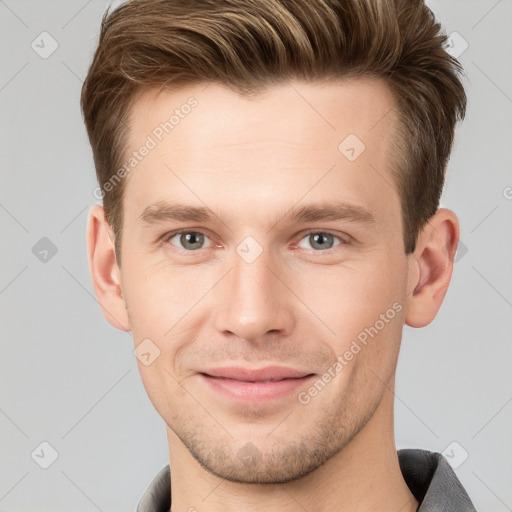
x: 254, y: 385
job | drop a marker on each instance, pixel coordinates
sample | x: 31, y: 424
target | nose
x: 253, y: 302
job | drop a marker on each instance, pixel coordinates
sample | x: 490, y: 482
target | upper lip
x: 271, y: 373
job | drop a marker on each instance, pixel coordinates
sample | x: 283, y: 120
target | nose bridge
x: 252, y: 281
x: 253, y: 301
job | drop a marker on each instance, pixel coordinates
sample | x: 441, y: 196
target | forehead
x: 320, y: 111
x: 206, y: 140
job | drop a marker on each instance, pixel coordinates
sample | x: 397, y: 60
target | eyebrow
x: 334, y: 210
x: 330, y: 211
x: 162, y: 211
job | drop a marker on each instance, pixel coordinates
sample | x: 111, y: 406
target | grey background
x: 70, y: 379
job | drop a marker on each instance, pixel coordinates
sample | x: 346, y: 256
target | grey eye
x: 320, y: 241
x: 189, y: 240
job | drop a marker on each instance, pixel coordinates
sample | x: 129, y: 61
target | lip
x: 254, y: 385
x: 272, y: 373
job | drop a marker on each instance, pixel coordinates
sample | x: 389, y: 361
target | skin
x: 250, y: 161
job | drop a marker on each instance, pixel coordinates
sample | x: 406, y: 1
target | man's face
x: 256, y: 284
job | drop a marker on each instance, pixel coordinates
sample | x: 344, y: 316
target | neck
x: 364, y: 475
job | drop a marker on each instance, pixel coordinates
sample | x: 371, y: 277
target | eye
x: 189, y: 240
x: 319, y: 240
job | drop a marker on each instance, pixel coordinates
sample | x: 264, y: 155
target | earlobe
x: 431, y: 268
x: 105, y: 272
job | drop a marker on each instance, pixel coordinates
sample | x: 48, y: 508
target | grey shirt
x: 428, y: 475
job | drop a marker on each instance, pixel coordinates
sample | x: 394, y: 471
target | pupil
x: 320, y: 240
x: 191, y: 240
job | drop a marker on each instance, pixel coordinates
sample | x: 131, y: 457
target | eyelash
x: 168, y: 236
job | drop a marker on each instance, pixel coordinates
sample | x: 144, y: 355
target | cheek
x: 345, y: 297
x: 158, y: 301
x: 362, y: 302
x: 164, y: 307
x: 158, y: 296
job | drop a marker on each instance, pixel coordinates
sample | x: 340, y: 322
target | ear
x: 105, y: 272
x: 430, y: 267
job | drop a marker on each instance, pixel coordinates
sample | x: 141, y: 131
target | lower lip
x: 254, y: 391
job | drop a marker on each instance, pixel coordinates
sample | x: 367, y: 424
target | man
x: 270, y: 173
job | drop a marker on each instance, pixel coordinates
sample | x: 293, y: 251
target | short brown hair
x: 248, y: 45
